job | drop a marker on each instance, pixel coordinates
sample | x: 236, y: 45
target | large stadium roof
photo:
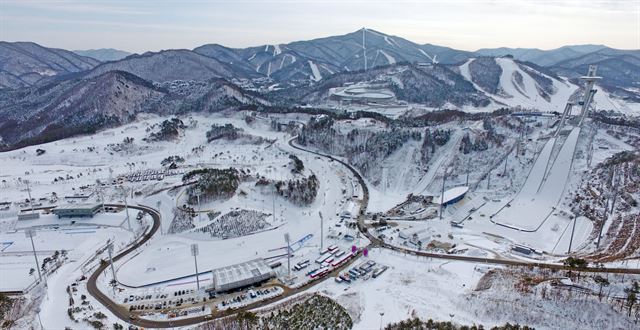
x: 246, y: 273
x: 451, y: 194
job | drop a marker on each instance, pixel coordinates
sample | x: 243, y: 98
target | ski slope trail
x: 556, y: 181
x: 315, y: 71
x: 537, y: 173
x: 518, y: 87
x: 440, y: 158
x: 537, y: 199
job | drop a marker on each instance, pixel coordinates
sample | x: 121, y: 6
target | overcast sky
x: 142, y: 25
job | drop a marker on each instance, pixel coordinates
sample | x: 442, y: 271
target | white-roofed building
x: 241, y: 275
x: 451, y: 196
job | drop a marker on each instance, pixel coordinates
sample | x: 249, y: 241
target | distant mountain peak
x: 104, y: 54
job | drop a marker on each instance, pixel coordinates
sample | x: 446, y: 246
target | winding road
x: 376, y: 242
x: 122, y: 313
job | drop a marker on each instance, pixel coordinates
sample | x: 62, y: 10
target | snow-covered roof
x: 78, y: 206
x: 246, y: 273
x: 451, y: 194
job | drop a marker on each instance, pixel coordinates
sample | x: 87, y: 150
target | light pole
x: 444, y: 179
x: 381, y: 315
x: 321, y: 231
x: 573, y: 230
x: 39, y: 319
x: 113, y: 270
x: 30, y: 233
x: 506, y: 159
x: 194, y: 253
x: 199, y: 208
x: 158, y: 207
x: 29, y: 193
x: 468, y: 170
x: 288, y: 240
x: 126, y: 206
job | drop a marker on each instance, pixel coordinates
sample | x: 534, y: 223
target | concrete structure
x: 28, y: 216
x: 364, y: 94
x: 451, y: 196
x: 241, y: 275
x: 77, y: 210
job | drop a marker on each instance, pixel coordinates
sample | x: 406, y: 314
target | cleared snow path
x: 390, y: 58
x: 316, y: 72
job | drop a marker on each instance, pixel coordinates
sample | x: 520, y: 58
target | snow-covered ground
x: 411, y: 286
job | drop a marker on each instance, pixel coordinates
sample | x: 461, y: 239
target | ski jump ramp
x: 542, y: 190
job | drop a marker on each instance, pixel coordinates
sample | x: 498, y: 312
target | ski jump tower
x: 589, y: 92
x: 590, y: 80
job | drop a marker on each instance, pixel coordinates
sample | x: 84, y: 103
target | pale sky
x: 147, y: 25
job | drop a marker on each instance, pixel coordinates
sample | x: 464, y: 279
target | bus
x: 342, y: 260
x: 320, y: 272
x: 379, y: 271
x: 275, y: 264
x: 300, y: 266
x: 323, y: 257
x: 332, y: 248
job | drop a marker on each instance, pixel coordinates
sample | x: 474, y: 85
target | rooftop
x: 451, y: 194
x: 240, y: 272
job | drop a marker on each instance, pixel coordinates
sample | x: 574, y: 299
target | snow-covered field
x: 537, y: 187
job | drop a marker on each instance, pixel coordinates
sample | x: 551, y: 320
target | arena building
x: 241, y: 275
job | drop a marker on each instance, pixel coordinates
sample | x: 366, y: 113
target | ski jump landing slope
x: 538, y: 197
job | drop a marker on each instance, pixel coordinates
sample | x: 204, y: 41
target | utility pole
x: 113, y: 270
x: 194, y: 253
x: 321, y: 231
x: 30, y: 233
x: 488, y: 180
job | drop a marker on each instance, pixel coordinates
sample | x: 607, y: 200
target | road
x: 124, y: 314
x: 376, y: 242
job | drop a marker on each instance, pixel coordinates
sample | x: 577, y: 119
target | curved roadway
x: 125, y: 315
x: 376, y: 242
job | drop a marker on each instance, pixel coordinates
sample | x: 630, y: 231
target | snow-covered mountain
x: 172, y: 65
x: 84, y: 105
x: 620, y: 71
x: 39, y: 85
x: 23, y: 64
x: 312, y: 60
x: 539, y: 56
x: 103, y: 54
x: 512, y: 83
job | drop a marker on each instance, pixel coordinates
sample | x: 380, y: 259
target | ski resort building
x: 451, y: 196
x: 77, y: 211
x: 241, y: 275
